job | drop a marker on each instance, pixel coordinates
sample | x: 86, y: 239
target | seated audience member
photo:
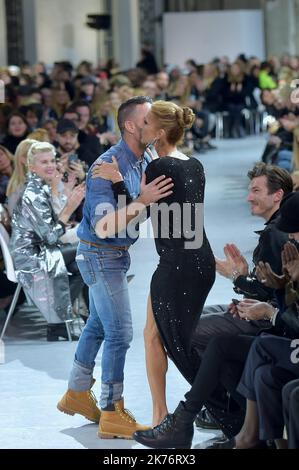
x: 290, y: 400
x: 268, y: 368
x: 268, y: 186
x: 213, y: 89
x: 67, y: 137
x: 18, y: 178
x: 86, y: 137
x: 51, y: 126
x: 6, y: 169
x: 41, y: 265
x: 266, y: 79
x: 34, y: 115
x: 279, y: 147
x: 105, y: 125
x: 234, y: 99
x: 87, y: 88
x: 17, y: 130
x: 40, y: 134
x: 162, y: 83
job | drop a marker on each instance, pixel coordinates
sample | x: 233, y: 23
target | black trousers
x: 290, y: 399
x: 215, y: 320
x: 268, y: 368
x: 222, y: 364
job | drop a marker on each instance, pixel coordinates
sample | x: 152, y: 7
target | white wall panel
x: 205, y: 35
x: 61, y: 32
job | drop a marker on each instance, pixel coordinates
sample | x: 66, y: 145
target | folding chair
x: 11, y: 276
x: 10, y: 273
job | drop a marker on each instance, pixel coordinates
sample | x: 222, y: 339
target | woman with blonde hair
x: 18, y: 178
x: 40, y: 263
x: 40, y: 134
x: 186, y: 269
x: 235, y: 91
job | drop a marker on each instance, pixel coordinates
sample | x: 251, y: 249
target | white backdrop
x: 61, y: 33
x: 204, y: 35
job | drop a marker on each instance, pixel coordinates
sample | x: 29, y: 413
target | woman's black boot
x: 175, y: 431
x: 55, y: 331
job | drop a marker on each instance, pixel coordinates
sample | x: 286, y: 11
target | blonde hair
x: 18, y: 177
x: 41, y: 135
x: 173, y: 119
x: 7, y: 153
x: 37, y: 148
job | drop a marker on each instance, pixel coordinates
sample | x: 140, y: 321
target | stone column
x: 126, y: 35
x: 29, y: 17
x: 282, y: 26
x: 15, y: 33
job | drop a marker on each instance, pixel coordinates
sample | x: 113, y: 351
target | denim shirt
x: 100, y: 199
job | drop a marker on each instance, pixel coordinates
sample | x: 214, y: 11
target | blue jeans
x: 285, y: 160
x: 104, y: 271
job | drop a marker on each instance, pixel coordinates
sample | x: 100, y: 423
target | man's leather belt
x: 110, y: 247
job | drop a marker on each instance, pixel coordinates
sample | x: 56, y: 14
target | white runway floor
x: 35, y: 372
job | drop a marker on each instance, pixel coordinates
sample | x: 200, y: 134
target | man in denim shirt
x: 103, y: 263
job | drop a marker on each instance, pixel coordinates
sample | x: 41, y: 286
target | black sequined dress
x: 186, y: 269
x: 186, y: 272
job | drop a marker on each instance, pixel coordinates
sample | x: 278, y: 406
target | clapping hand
x: 290, y: 261
x: 234, y: 262
x: 268, y: 277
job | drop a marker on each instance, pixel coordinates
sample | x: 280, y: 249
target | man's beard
x: 65, y: 150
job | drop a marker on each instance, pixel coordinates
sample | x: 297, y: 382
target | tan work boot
x: 82, y: 403
x: 119, y: 423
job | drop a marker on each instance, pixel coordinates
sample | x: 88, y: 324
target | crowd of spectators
x: 75, y: 110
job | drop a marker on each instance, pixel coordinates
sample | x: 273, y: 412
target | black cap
x: 289, y: 214
x: 65, y: 125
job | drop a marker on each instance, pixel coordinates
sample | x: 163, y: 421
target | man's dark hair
x: 71, y: 110
x: 127, y: 108
x: 277, y: 178
x: 80, y: 103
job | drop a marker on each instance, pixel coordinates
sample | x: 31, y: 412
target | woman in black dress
x: 186, y: 270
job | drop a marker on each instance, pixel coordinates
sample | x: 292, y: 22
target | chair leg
x: 11, y: 309
x: 67, y: 322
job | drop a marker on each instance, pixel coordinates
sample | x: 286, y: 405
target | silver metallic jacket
x: 38, y: 261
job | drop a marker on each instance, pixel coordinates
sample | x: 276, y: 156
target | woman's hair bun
x: 186, y: 117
